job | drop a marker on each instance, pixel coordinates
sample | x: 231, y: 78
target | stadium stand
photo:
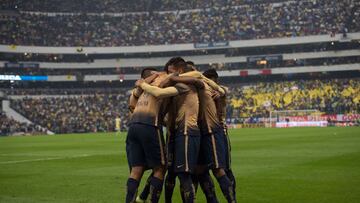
x: 77, y: 113
x: 9, y: 126
x: 330, y: 96
x: 119, y: 5
x: 87, y: 111
x: 218, y: 24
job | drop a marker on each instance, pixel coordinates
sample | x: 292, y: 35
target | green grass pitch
x: 302, y: 165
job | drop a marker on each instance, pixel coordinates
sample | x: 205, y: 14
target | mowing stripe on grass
x: 46, y: 159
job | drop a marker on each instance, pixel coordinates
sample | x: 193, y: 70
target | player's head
x: 175, y: 64
x: 211, y: 74
x: 190, y: 66
x: 146, y: 72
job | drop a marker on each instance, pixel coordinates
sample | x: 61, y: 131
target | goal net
x: 296, y: 118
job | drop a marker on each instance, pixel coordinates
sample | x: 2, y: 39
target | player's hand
x: 139, y: 82
x: 215, y: 95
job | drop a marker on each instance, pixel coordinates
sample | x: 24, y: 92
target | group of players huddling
x: 192, y: 107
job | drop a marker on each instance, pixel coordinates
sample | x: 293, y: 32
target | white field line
x: 46, y: 159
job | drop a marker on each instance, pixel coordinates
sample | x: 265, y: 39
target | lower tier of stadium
x: 95, y: 110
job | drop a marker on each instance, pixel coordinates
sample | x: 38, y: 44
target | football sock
x: 227, y: 188
x: 207, y: 186
x: 131, y: 189
x: 155, y: 189
x: 230, y: 175
x: 170, y: 181
x: 144, y: 194
x: 187, y: 188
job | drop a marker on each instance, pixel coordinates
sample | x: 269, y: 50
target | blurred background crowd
x: 96, y: 112
x: 227, y: 20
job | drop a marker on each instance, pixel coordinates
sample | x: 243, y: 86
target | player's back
x: 148, y: 107
x: 187, y: 108
x: 208, y: 119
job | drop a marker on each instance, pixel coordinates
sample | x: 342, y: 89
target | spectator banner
x: 301, y: 124
x: 21, y: 65
x: 211, y: 45
x: 326, y: 117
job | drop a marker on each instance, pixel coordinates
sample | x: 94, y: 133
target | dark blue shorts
x: 213, y: 150
x: 186, y: 151
x: 145, y: 146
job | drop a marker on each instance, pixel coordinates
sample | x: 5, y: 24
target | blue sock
x: 170, y: 181
x: 208, y: 187
x: 187, y: 188
x: 227, y: 188
x: 131, y: 188
x: 155, y: 189
x: 231, y: 176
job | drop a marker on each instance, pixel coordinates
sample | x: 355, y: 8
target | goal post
x: 296, y: 118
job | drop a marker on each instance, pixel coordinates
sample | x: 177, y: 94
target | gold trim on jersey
x: 186, y: 153
x: 214, y: 150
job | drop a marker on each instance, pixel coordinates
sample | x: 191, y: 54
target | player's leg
x: 206, y: 184
x: 133, y: 183
x: 144, y: 194
x: 170, y: 179
x: 218, y: 166
x: 170, y: 182
x: 228, y: 170
x: 153, y: 144
x: 136, y: 160
x: 205, y: 180
x: 186, y: 187
x: 186, y: 154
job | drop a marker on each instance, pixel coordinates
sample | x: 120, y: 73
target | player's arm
x: 211, y: 83
x: 132, y: 103
x: 137, y: 91
x: 159, y: 92
x: 134, y: 96
x: 188, y: 80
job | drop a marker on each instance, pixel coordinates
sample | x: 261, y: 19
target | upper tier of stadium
x: 216, y: 24
x: 116, y: 6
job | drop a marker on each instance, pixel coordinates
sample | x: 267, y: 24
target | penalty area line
x: 45, y: 159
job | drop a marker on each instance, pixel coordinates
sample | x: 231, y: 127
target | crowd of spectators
x: 9, y: 126
x: 75, y: 114
x: 216, y: 24
x: 333, y: 96
x: 116, y: 6
x: 96, y: 112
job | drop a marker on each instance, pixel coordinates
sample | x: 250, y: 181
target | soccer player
x: 145, y: 144
x: 185, y: 108
x: 149, y: 74
x: 212, y: 150
x: 220, y: 102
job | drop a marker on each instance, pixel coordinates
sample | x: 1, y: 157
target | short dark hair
x: 191, y: 63
x: 146, y: 72
x: 175, y: 61
x: 211, y: 73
